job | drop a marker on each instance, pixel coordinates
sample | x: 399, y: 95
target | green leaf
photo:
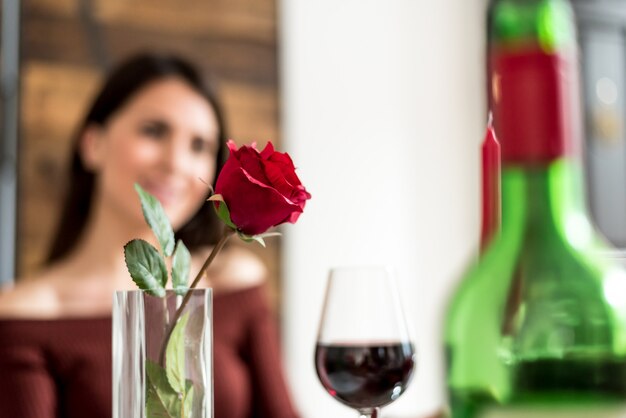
x: 146, y: 267
x: 161, y: 399
x: 156, y: 218
x: 175, y: 356
x: 181, y: 265
x: 188, y: 400
x: 222, y: 210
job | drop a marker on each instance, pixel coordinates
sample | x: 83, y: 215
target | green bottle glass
x: 537, y: 327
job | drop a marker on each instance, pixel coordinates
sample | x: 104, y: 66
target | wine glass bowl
x: 365, y: 375
x: 364, y: 357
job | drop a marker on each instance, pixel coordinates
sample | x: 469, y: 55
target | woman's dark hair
x: 123, y: 83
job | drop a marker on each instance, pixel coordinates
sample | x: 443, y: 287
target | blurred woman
x: 154, y: 123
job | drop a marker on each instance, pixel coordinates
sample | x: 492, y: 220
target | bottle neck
x: 546, y: 201
x: 533, y: 89
x: 535, y: 100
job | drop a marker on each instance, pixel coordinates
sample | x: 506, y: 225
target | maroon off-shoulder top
x: 62, y: 368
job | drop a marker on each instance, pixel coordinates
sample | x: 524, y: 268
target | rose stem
x: 227, y: 234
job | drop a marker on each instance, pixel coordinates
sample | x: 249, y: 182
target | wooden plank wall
x: 67, y: 45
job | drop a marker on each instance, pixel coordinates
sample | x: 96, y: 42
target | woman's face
x: 165, y: 138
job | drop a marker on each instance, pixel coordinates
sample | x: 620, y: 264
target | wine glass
x: 364, y: 356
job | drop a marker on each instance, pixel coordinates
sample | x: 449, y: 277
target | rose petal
x: 277, y: 179
x: 254, y: 207
x: 232, y: 147
x: 286, y: 166
x: 231, y: 165
x: 268, y: 151
x: 251, y: 161
x: 294, y: 217
x: 300, y: 196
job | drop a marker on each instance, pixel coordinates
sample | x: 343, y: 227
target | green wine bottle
x: 537, y: 327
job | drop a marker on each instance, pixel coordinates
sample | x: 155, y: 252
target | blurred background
x: 381, y: 104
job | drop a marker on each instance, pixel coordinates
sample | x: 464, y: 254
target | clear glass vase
x: 162, y: 365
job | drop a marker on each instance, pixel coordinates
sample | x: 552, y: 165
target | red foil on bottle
x: 532, y: 102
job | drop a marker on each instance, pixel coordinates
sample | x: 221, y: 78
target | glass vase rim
x: 168, y: 292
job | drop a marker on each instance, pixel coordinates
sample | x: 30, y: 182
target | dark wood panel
x: 254, y: 19
x: 257, y: 18
x: 229, y: 57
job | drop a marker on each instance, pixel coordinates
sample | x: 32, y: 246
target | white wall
x: 383, y: 111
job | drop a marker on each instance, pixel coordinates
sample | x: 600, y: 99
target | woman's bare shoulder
x: 33, y: 297
x: 235, y: 268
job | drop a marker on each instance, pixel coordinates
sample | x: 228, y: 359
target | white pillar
x: 383, y: 111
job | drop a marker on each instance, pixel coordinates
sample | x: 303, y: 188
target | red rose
x: 260, y: 189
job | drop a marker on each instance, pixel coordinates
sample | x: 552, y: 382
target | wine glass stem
x: 373, y: 413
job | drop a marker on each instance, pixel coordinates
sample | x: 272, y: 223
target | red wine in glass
x: 364, y: 356
x: 365, y: 375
